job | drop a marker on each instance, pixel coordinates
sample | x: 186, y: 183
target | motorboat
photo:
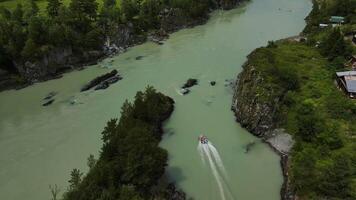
x: 203, y: 139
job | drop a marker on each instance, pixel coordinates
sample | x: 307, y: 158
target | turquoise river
x: 40, y: 145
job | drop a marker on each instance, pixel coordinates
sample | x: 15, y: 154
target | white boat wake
x: 210, y: 155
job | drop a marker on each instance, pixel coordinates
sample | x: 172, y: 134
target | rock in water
x: 212, y: 83
x: 184, y: 91
x: 50, y: 95
x: 47, y: 103
x: 190, y: 83
x: 99, y: 80
x: 102, y: 86
x: 139, y: 57
x: 114, y: 79
x: 249, y: 146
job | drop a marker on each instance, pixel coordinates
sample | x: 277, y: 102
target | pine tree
x: 17, y: 14
x: 84, y: 8
x: 76, y: 177
x: 32, y: 9
x: 53, y: 7
x: 29, y: 50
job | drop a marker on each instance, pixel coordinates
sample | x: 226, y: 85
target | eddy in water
x: 211, y: 155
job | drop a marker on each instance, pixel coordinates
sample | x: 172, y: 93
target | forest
x: 30, y: 31
x: 131, y: 163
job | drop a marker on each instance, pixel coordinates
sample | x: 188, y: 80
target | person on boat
x: 203, y: 139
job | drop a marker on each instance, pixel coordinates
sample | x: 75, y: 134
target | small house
x: 337, y: 19
x: 347, y: 82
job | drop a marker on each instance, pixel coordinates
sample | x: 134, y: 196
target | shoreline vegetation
x: 40, y: 41
x: 287, y: 94
x: 131, y: 165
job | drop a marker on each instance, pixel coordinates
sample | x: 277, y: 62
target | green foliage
x: 53, y: 7
x: 80, y: 24
x: 130, y: 162
x: 308, y: 122
x: 75, y: 178
x: 319, y: 116
x: 334, y: 45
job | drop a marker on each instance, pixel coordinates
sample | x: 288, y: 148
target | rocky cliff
x: 255, y: 104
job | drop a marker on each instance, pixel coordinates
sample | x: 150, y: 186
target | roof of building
x: 337, y: 19
x: 347, y: 73
x: 350, y: 80
x: 351, y: 86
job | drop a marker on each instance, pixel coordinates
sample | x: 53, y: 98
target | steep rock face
x: 54, y: 62
x: 255, y: 105
x: 254, y: 109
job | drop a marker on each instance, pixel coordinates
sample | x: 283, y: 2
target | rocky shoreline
x: 64, y: 59
x: 257, y: 115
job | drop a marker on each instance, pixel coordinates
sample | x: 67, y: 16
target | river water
x: 40, y: 145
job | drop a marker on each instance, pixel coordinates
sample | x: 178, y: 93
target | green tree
x: 84, y: 8
x: 30, y: 50
x: 309, y: 123
x: 18, y: 13
x: 31, y: 9
x: 334, y: 45
x: 75, y: 178
x: 91, y: 161
x: 53, y: 7
x: 129, y: 8
x: 109, y: 3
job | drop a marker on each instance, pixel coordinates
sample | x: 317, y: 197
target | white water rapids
x: 209, y: 154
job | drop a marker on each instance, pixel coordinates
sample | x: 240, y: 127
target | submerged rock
x: 50, y: 95
x: 47, y: 103
x: 139, y: 57
x: 98, y: 80
x: 249, y: 146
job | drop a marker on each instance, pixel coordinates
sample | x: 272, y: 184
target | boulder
x: 190, y: 83
x: 212, y: 83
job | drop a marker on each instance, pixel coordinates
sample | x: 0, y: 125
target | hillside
x: 291, y: 86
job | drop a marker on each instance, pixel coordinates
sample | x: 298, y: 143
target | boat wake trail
x: 210, y: 155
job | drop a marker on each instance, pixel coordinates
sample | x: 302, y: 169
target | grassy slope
x: 316, y: 85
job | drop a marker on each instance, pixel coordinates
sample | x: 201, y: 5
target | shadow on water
x: 176, y: 172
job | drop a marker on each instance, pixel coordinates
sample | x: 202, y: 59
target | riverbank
x: 290, y: 85
x: 64, y: 59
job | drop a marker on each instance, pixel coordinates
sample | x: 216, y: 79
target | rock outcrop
x: 254, y: 108
x: 255, y: 105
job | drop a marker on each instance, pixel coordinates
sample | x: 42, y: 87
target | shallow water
x: 40, y: 145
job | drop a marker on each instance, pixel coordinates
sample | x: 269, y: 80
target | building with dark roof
x: 347, y: 81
